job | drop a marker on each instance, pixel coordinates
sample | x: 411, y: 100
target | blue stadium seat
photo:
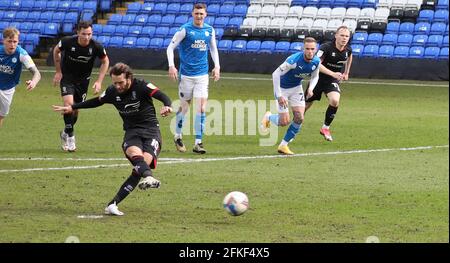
x: 360, y: 38
x: 425, y: 15
x: 443, y: 54
x: 27, y: 5
x: 389, y: 39
x: 213, y: 9
x: 156, y: 43
x: 134, y: 8
x: 282, y: 47
x: 370, y: 51
x: 76, y: 6
x: 434, y: 41
x: 446, y: 30
x: 51, y: 29
x: 15, y: 5
x: 226, y: 10
x: 314, y: 3
x: 442, y: 4
x: 392, y: 28
x: 374, y: 39
x: 64, y: 6
x: 445, y: 41
x: 71, y: 17
x: 219, y: 33
x: 325, y: 3
x: 104, y: 40
x: 116, y: 41
x: 68, y: 28
x: 134, y: 31
x: 186, y: 8
x: 173, y: 8
x: 25, y: 27
x: 21, y: 16
x: 354, y: 3
x: 386, y: 51
x: 32, y: 38
x: 9, y: 16
x: 267, y: 46
x: 154, y: 20
x: 91, y: 5
x: 148, y: 31
x: 115, y: 19
x: 141, y: 20
x: 129, y: 42
x: 422, y: 28
x: 121, y: 30
x: 210, y: 20
x: 299, y: 2
x: 33, y: 16
x: 160, y: 8
x: 166, y: 43
x: 240, y: 10
x: 437, y: 28
x: 431, y: 52
x: 108, y: 30
x: 87, y: 15
x: 406, y: 28
x: 369, y: 3
x: 401, y: 52
x: 38, y: 28
x: 162, y: 31
x: 128, y: 19
x: 441, y: 16
x: 97, y: 29
x: 419, y: 40
x: 357, y: 49
x: 239, y: 46
x: 221, y: 21
x: 147, y: 8
x: 167, y: 20
x: 180, y: 20
x: 296, y: 47
x: 105, y: 5
x: 224, y: 45
x: 57, y: 17
x: 253, y: 45
x: 404, y: 40
x: 40, y: 5
x: 142, y: 42
x: 416, y: 52
x: 51, y: 5
x: 235, y: 22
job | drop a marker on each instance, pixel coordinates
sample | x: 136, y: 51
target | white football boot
x: 149, y: 182
x: 112, y: 209
x: 64, y: 144
x: 71, y: 147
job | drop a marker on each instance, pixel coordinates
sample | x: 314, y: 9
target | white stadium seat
x: 263, y: 22
x: 367, y: 13
x: 338, y: 13
x: 334, y: 24
x: 309, y: 12
x: 290, y: 23
x: 351, y: 24
x: 281, y: 10
x: 323, y: 13
x: 295, y: 11
x: 249, y: 22
x: 305, y: 23
x: 254, y: 10
x: 353, y: 13
x: 267, y: 10
x: 277, y: 22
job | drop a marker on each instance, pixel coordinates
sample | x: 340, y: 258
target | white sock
x: 178, y: 136
x: 325, y: 127
x: 283, y: 143
x: 197, y: 141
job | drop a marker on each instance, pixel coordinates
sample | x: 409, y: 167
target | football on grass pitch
x: 236, y: 203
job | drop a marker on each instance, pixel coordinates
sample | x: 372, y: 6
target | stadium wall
x: 372, y: 68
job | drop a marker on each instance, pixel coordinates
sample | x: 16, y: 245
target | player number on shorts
x: 155, y: 145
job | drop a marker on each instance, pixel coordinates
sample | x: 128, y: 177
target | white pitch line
x: 239, y: 158
x: 269, y: 79
x: 70, y: 159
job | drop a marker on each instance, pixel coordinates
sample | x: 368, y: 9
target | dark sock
x: 127, y: 187
x: 140, y: 166
x: 75, y: 118
x: 68, y: 120
x: 329, y: 115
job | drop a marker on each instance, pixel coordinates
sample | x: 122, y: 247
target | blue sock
x: 199, y: 125
x: 179, y: 124
x: 274, y: 119
x: 293, y: 129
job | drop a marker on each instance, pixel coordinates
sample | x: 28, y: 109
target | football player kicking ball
x: 142, y: 139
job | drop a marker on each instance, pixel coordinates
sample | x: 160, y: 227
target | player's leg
x: 185, y: 89
x: 279, y: 119
x: 67, y: 94
x: 6, y: 97
x: 201, y: 98
x: 333, y: 104
x: 125, y: 189
x: 151, y: 149
x: 297, y: 102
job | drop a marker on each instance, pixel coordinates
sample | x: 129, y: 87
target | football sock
x: 75, y: 118
x: 274, y: 119
x: 179, y: 123
x: 140, y: 166
x: 68, y: 120
x: 126, y: 188
x: 200, y: 125
x: 293, y: 129
x: 329, y: 115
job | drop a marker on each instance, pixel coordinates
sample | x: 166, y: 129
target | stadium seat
x: 442, y: 5
x: 27, y: 5
x: 115, y: 19
x: 142, y: 42
x: 40, y: 5
x: 141, y: 20
x: 129, y: 42
x: 134, y: 8
x: 443, y: 54
x: 33, y: 16
x: 357, y: 49
x: 295, y: 11
x: 32, y: 38
x: 115, y: 41
x: 51, y: 29
x: 310, y: 12
x: 162, y: 32
x: 254, y: 10
x: 121, y: 30
x: 235, y: 22
x: 369, y: 3
x: 437, y: 28
x: 186, y: 8
x: 425, y: 15
x: 76, y: 6
x: 354, y: 3
x: 416, y: 52
x: 97, y: 29
x: 147, y: 8
x: 38, y: 28
x: 156, y: 43
x: 253, y: 46
x: 370, y: 51
x: 22, y: 16
x: 434, y: 41
x: 148, y: 31
x: 441, y: 16
x: 406, y: 28
x: 422, y: 28
x: 221, y: 21
x: 225, y: 45
x: 128, y: 19
x: 213, y: 9
x: 389, y: 39
x: 180, y: 20
x: 64, y: 6
x: 419, y: 40
x: 296, y: 47
x: 359, y: 38
x: 11, y: 16
x: 71, y: 17
x: 267, y: 46
x: 323, y: 13
x: 226, y: 10
x: 239, y: 45
x: 386, y: 51
x: 445, y: 41
x: 401, y: 52
x: 240, y: 10
x: 404, y: 40
x: 374, y: 39
x: 51, y: 5
x: 108, y: 30
x: 154, y: 20
x: 267, y: 11
x: 90, y: 5
x: 160, y: 8
x: 174, y: 8
x: 431, y: 52
x: 210, y: 20
x: 167, y: 20
x: 282, y: 47
x: 134, y: 31
x: 392, y: 28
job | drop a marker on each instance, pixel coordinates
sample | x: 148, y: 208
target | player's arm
x: 176, y: 40
x: 326, y: 71
x: 161, y: 96
x: 91, y: 103
x: 276, y: 75
x: 101, y: 75
x: 28, y: 62
x: 57, y: 61
x: 347, y: 67
x: 313, y: 81
x: 215, y: 56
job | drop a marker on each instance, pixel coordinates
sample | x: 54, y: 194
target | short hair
x: 309, y: 40
x: 83, y: 24
x: 121, y: 68
x: 342, y: 27
x: 10, y: 32
x: 199, y: 6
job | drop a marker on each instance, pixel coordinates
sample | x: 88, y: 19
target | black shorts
x: 324, y: 87
x: 148, y: 140
x: 78, y: 89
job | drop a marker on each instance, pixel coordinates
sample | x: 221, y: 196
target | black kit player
x: 74, y: 58
x: 335, y: 56
x: 142, y: 140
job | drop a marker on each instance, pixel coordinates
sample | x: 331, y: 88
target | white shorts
x: 295, y: 98
x: 6, y: 97
x: 196, y: 87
